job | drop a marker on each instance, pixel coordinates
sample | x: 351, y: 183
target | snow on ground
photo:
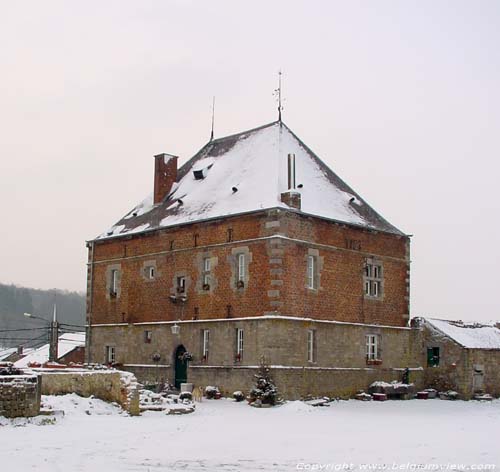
x: 226, y: 436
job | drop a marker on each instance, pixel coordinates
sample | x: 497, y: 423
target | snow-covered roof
x: 67, y: 342
x: 469, y: 335
x: 255, y: 163
x: 6, y: 352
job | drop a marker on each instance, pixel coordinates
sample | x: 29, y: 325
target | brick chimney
x: 165, y: 176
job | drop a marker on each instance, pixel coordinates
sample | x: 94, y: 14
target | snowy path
x: 226, y: 436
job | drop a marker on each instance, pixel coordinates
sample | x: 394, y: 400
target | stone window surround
x: 200, y: 262
x: 109, y: 271
x: 318, y: 267
x: 380, y: 279
x: 236, y: 252
x: 187, y: 283
x: 145, y: 270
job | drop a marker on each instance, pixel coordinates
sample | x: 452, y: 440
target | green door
x: 180, y: 366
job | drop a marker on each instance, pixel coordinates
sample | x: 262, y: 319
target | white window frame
x: 311, y: 335
x: 241, y: 267
x: 311, y: 272
x: 150, y: 272
x: 181, y: 283
x: 374, y: 276
x: 113, y: 285
x: 372, y: 347
x: 206, y: 343
x: 207, y: 267
x: 239, y: 342
x: 110, y: 354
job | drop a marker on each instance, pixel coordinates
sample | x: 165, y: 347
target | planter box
x: 379, y: 397
x: 422, y: 395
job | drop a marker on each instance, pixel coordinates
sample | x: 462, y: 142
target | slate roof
x: 469, y: 335
x: 255, y: 162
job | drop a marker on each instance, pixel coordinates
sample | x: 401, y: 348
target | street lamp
x: 175, y: 328
x: 53, y: 333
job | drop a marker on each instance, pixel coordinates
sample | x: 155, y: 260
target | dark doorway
x: 180, y: 366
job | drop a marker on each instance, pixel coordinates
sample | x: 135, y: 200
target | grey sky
x: 400, y: 98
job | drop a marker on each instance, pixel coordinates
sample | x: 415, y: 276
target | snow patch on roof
x: 67, y: 342
x: 255, y: 163
x: 469, y: 335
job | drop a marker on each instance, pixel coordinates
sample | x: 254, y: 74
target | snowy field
x: 226, y: 436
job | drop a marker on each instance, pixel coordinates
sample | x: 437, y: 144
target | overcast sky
x: 400, y: 98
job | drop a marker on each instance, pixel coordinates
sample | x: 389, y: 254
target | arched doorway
x: 180, y: 366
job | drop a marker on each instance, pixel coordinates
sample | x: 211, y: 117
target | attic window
x: 200, y: 174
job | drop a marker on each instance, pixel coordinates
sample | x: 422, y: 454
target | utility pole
x: 54, y: 337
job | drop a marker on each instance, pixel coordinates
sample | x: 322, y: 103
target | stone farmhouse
x: 253, y: 250
x: 464, y: 357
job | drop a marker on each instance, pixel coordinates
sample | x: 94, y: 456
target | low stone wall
x: 19, y: 395
x: 296, y: 382
x: 112, y: 386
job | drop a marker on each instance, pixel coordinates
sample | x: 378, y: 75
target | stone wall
x: 457, y: 365
x: 111, y: 386
x: 339, y: 367
x: 19, y: 395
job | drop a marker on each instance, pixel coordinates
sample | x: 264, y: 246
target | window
x: 372, y: 347
x: 239, y: 344
x: 205, y: 343
x: 432, y: 356
x: 113, y: 286
x: 311, y: 335
x: 110, y: 355
x: 373, y: 279
x: 148, y: 336
x: 207, y: 266
x: 241, y: 267
x: 311, y: 272
x: 150, y: 272
x: 181, y: 284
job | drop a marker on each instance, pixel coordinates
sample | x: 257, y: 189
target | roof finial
x: 277, y: 93
x: 213, y: 114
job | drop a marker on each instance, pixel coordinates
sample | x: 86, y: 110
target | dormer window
x: 200, y: 169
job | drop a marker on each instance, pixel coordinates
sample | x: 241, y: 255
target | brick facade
x: 276, y: 244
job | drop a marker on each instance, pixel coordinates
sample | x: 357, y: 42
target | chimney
x: 19, y: 350
x: 165, y: 176
x: 291, y: 197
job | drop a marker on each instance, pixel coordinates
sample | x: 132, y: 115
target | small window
x: 207, y: 267
x: 239, y: 344
x: 148, y: 336
x: 311, y: 341
x: 205, y: 343
x: 150, y: 272
x: 181, y: 284
x: 311, y: 272
x: 373, y: 279
x: 372, y: 347
x: 241, y: 267
x: 433, y: 356
x: 113, y: 286
x: 110, y: 355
